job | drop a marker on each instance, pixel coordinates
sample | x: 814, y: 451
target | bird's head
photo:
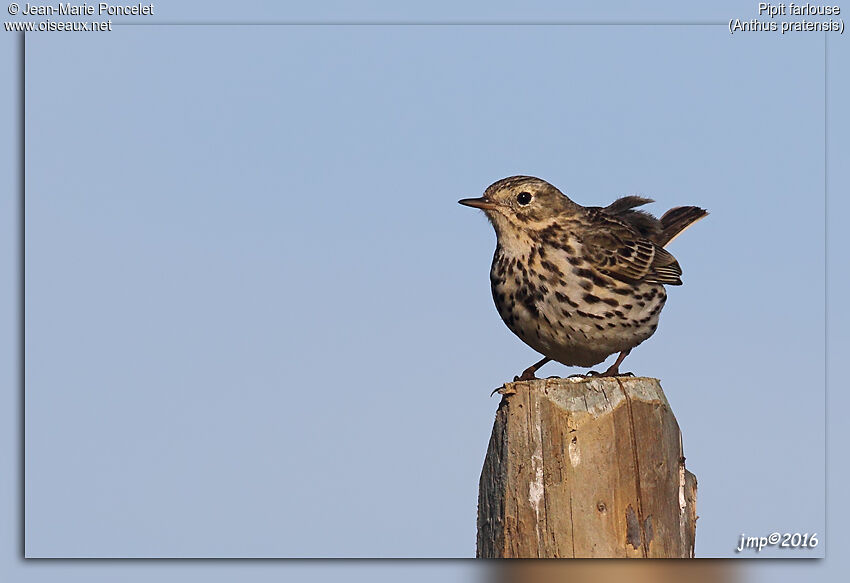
x: 521, y: 203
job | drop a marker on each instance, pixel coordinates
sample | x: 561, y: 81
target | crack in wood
x: 644, y: 549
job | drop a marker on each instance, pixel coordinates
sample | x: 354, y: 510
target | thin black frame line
x: 418, y: 23
x: 825, y: 288
x: 21, y: 299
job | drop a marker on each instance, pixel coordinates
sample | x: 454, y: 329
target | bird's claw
x: 503, y: 390
x: 606, y: 374
x: 526, y: 376
x: 612, y: 374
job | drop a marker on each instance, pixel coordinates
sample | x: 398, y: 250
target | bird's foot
x: 614, y: 373
x: 527, y: 375
x: 606, y: 374
x: 614, y: 369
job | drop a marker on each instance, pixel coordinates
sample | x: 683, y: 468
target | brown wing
x: 617, y: 249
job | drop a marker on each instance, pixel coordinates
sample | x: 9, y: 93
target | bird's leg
x: 614, y: 369
x: 528, y: 374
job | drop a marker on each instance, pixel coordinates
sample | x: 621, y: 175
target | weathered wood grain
x: 588, y: 467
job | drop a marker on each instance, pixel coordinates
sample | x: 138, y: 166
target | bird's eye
x: 523, y: 198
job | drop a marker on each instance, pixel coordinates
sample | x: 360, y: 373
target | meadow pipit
x: 577, y: 283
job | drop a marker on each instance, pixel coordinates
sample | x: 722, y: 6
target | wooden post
x: 586, y: 467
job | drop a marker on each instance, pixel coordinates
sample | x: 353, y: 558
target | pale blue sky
x: 258, y: 323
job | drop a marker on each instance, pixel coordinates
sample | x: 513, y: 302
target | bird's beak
x: 479, y: 203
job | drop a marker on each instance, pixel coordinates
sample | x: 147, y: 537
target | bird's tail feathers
x: 676, y: 220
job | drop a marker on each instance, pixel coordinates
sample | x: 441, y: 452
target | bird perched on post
x: 577, y: 283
